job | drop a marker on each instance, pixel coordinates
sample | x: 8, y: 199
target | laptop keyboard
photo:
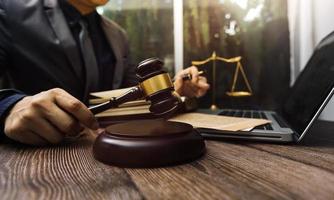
x: 248, y: 114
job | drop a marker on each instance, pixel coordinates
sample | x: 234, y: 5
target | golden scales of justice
x: 233, y: 92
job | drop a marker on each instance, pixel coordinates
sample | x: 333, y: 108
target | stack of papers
x: 140, y: 108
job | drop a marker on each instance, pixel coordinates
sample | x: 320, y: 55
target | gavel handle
x: 132, y: 94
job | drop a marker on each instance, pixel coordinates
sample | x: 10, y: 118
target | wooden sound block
x: 148, y: 143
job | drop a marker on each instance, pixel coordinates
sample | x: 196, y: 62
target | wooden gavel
x: 154, y: 84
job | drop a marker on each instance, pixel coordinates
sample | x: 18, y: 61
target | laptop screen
x: 311, y: 88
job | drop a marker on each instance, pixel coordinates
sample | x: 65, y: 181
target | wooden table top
x: 229, y: 170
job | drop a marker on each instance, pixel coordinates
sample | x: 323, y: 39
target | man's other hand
x: 48, y: 117
x: 196, y: 87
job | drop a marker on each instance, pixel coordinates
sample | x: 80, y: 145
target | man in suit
x: 55, y: 52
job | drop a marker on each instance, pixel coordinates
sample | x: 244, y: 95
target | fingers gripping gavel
x: 154, y: 84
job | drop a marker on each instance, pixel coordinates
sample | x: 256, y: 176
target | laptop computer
x: 309, y: 95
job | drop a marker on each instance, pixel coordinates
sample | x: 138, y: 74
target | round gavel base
x: 148, y: 143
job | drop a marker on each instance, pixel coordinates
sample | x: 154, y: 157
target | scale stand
x: 233, y: 92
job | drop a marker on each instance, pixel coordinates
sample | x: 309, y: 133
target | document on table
x: 217, y: 122
x: 110, y: 93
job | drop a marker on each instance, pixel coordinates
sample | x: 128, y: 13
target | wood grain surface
x: 229, y: 170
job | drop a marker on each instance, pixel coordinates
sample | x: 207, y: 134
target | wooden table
x: 229, y: 170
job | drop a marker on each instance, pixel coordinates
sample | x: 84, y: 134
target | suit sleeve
x: 8, y: 97
x: 5, y: 40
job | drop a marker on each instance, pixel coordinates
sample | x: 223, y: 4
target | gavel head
x: 157, y: 87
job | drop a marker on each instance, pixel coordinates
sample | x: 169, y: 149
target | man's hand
x: 48, y: 117
x: 196, y: 87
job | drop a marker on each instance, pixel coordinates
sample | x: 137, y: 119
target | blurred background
x: 275, y: 39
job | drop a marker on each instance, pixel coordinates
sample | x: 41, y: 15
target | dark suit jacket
x: 38, y: 52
